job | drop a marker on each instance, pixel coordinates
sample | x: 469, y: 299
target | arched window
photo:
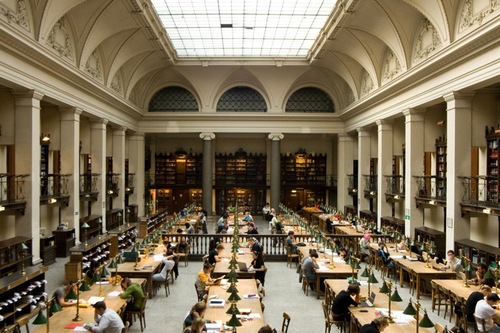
x: 310, y: 100
x: 173, y: 99
x: 241, y: 99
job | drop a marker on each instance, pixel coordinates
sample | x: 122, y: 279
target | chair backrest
x: 286, y: 322
x: 146, y: 296
x: 125, y: 328
x: 326, y: 314
x: 480, y: 323
x: 438, y: 328
x: 12, y: 329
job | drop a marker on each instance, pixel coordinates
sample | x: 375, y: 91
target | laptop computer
x: 242, y: 266
x: 370, y: 300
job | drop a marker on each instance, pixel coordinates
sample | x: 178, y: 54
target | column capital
x: 207, y: 136
x: 458, y: 100
x: 275, y: 136
x: 138, y: 134
x: 362, y: 131
x: 414, y: 114
x: 28, y: 94
x: 71, y: 113
x: 119, y: 130
x: 382, y: 122
x: 344, y: 137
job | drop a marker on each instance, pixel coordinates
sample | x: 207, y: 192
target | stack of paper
x: 216, y: 303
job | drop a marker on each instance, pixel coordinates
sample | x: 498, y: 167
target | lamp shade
x: 234, y: 296
x: 40, y: 319
x: 365, y: 273
x: 112, y: 264
x: 85, y: 226
x: 395, y: 296
x: 84, y: 286
x: 425, y: 322
x: 233, y: 322
x: 233, y: 309
x: 355, y: 264
x: 24, y: 247
x: 71, y: 294
x: 372, y: 279
x: 55, y: 307
x: 120, y: 259
x: 410, y: 310
x: 488, y: 274
x: 384, y: 289
x: 96, y: 277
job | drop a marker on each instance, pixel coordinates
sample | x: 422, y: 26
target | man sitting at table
x: 254, y: 245
x: 308, y: 266
x: 340, y: 306
x: 203, y: 280
x: 108, y: 321
x: 290, y: 242
x: 485, y: 310
x: 376, y: 326
x: 133, y: 293
x: 474, y: 297
x: 61, y: 292
x: 383, y: 253
x: 214, y: 255
x: 480, y: 279
x: 453, y: 263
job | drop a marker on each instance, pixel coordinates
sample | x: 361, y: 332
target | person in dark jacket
x: 340, y: 306
x: 376, y: 326
x: 474, y: 297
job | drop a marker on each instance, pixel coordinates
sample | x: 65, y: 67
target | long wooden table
x: 359, y: 318
x: 60, y: 320
x: 245, y: 287
x: 144, y: 269
x: 325, y: 271
x: 222, y: 267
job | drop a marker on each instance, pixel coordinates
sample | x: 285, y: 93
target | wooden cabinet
x: 431, y: 236
x: 95, y: 227
x: 149, y: 225
x: 122, y: 238
x: 393, y: 223
x: 114, y: 218
x: 492, y: 162
x: 178, y: 169
x: 48, y: 250
x: 97, y: 249
x: 64, y: 240
x: 247, y: 199
x: 12, y: 255
x: 18, y: 293
x: 441, y: 153
x: 477, y: 252
x: 302, y: 169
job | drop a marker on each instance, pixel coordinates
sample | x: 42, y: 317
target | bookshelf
x: 30, y: 287
x: 44, y: 168
x: 251, y: 199
x: 492, y: 163
x: 94, y: 227
x: 114, y: 218
x: 302, y: 169
x: 179, y: 168
x: 441, y: 152
x: 97, y: 249
x: 393, y: 223
x: 122, y: 238
x: 240, y: 169
x: 12, y: 256
x: 477, y: 252
x: 425, y: 234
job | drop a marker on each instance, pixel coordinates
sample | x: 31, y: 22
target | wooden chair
x: 125, y: 328
x: 198, y: 295
x: 464, y: 323
x: 438, y: 328
x: 11, y: 328
x: 184, y: 255
x: 141, y: 313
x: 437, y: 297
x: 329, y: 321
x: 285, y: 323
x: 291, y: 257
x: 480, y: 324
x: 306, y: 284
x: 329, y: 295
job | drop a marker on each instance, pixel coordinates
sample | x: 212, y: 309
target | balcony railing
x: 431, y: 188
x: 395, y: 185
x: 129, y: 183
x: 89, y: 185
x: 112, y: 180
x: 352, y: 186
x: 331, y: 181
x: 370, y: 183
x: 12, y: 188
x: 481, y: 192
x: 54, y: 185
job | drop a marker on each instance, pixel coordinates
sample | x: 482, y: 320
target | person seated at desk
x: 402, y: 244
x: 470, y: 304
x: 364, y: 246
x: 383, y: 253
x: 197, y: 326
x: 248, y: 217
x: 479, y: 279
x: 61, y: 292
x: 133, y: 293
x: 257, y: 265
x: 197, y: 311
x: 485, y: 310
x: 252, y: 229
x: 203, y: 280
x: 189, y: 228
x: 254, y: 245
x: 224, y: 226
x: 309, y: 265
x: 168, y: 265
x: 340, y: 306
x: 290, y: 242
x: 214, y: 255
x: 376, y: 326
x: 94, y: 266
x: 343, y: 253
x: 454, y: 263
x: 107, y: 320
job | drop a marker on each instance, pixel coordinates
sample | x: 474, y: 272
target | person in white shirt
x: 484, y: 310
x: 107, y: 320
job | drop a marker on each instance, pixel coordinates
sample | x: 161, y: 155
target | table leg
x: 318, y: 290
x: 417, y: 285
x: 401, y: 276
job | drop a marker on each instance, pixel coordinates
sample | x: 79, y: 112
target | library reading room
x: 306, y: 165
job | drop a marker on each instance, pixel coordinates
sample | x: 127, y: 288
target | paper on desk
x: 102, y: 282
x: 94, y: 299
x: 254, y: 315
x: 251, y: 296
x: 217, y: 326
x: 225, y: 259
x: 338, y: 260
x: 158, y: 257
x: 402, y: 251
x: 397, y: 257
x: 114, y: 293
x: 80, y: 329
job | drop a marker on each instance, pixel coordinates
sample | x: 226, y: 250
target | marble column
x: 70, y: 164
x: 275, y: 169
x: 414, y: 166
x: 458, y: 160
x: 119, y: 135
x: 207, y: 171
x: 384, y: 166
x: 136, y: 156
x: 27, y: 158
x: 98, y: 153
x: 345, y: 165
x: 364, y: 150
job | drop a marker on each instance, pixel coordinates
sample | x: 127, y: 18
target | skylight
x: 243, y: 28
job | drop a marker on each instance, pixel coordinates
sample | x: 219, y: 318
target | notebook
x: 370, y: 300
x: 242, y: 266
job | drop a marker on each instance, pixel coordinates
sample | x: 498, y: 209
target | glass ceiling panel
x: 243, y: 28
